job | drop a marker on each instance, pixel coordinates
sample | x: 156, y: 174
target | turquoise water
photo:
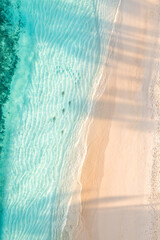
x: 51, y: 54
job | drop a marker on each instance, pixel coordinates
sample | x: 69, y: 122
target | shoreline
x: 74, y: 206
x: 102, y: 189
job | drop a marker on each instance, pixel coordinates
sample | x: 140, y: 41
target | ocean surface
x: 51, y: 55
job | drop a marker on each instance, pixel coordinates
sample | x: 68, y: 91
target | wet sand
x: 116, y: 177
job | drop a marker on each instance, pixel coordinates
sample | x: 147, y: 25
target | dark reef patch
x: 10, y: 25
x: 9, y: 35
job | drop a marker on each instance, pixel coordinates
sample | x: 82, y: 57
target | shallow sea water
x: 51, y: 55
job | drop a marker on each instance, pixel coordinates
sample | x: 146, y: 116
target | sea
x: 51, y: 56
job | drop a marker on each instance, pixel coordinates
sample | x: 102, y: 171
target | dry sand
x: 117, y: 181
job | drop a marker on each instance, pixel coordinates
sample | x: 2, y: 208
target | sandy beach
x: 119, y: 195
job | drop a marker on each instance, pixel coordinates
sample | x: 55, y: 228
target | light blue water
x: 59, y: 51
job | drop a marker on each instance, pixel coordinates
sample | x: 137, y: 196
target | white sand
x: 117, y: 176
